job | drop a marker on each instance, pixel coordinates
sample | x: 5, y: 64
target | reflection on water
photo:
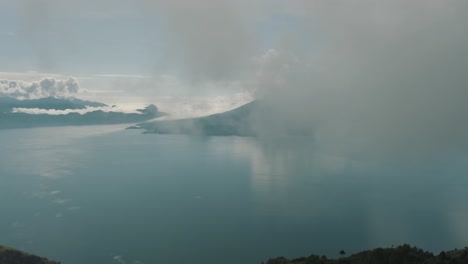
x: 353, y: 203
x: 105, y: 195
x: 48, y: 152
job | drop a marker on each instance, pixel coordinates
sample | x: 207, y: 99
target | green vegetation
x: 13, y: 256
x: 401, y: 255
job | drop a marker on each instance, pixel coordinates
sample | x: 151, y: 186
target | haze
x: 380, y: 87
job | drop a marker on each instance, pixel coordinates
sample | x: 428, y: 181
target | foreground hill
x: 13, y: 256
x: 400, y: 255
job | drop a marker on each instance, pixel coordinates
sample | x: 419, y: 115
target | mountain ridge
x: 236, y: 122
x: 10, y: 119
x: 13, y: 256
x: 8, y: 103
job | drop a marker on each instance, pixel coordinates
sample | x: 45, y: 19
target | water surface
x: 102, y: 194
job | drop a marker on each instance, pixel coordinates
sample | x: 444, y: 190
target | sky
x: 372, y: 78
x: 131, y: 52
x: 141, y: 48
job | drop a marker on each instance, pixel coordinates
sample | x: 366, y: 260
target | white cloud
x: 121, y: 76
x: 46, y: 87
x: 38, y: 111
x: 60, y: 201
x: 119, y: 259
x: 54, y: 192
x: 74, y: 208
x: 377, y: 80
x: 196, y: 106
x: 373, y: 78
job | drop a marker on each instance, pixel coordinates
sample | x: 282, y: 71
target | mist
x: 373, y: 80
x: 236, y: 131
x: 378, y: 81
x: 386, y: 80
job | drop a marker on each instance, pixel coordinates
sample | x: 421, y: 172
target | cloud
x: 88, y: 109
x: 59, y: 215
x: 46, y: 87
x: 381, y: 80
x: 119, y: 259
x: 373, y: 79
x: 208, y: 39
x: 74, y: 208
x: 54, y: 192
x: 196, y: 106
x: 121, y: 76
x: 60, y: 201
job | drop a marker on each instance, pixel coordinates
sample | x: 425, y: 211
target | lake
x: 102, y: 194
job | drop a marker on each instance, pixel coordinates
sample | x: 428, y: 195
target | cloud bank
x: 88, y: 109
x: 46, y: 87
x: 384, y: 79
x: 208, y: 39
x: 374, y: 79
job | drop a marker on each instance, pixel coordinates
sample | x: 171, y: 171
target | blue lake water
x: 101, y: 194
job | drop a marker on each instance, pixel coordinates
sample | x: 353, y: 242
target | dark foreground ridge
x: 400, y: 255
x: 13, y: 256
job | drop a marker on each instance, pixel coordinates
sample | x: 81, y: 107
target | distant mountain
x: 8, y: 119
x: 253, y: 119
x: 237, y: 122
x: 8, y: 103
x: 13, y: 256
